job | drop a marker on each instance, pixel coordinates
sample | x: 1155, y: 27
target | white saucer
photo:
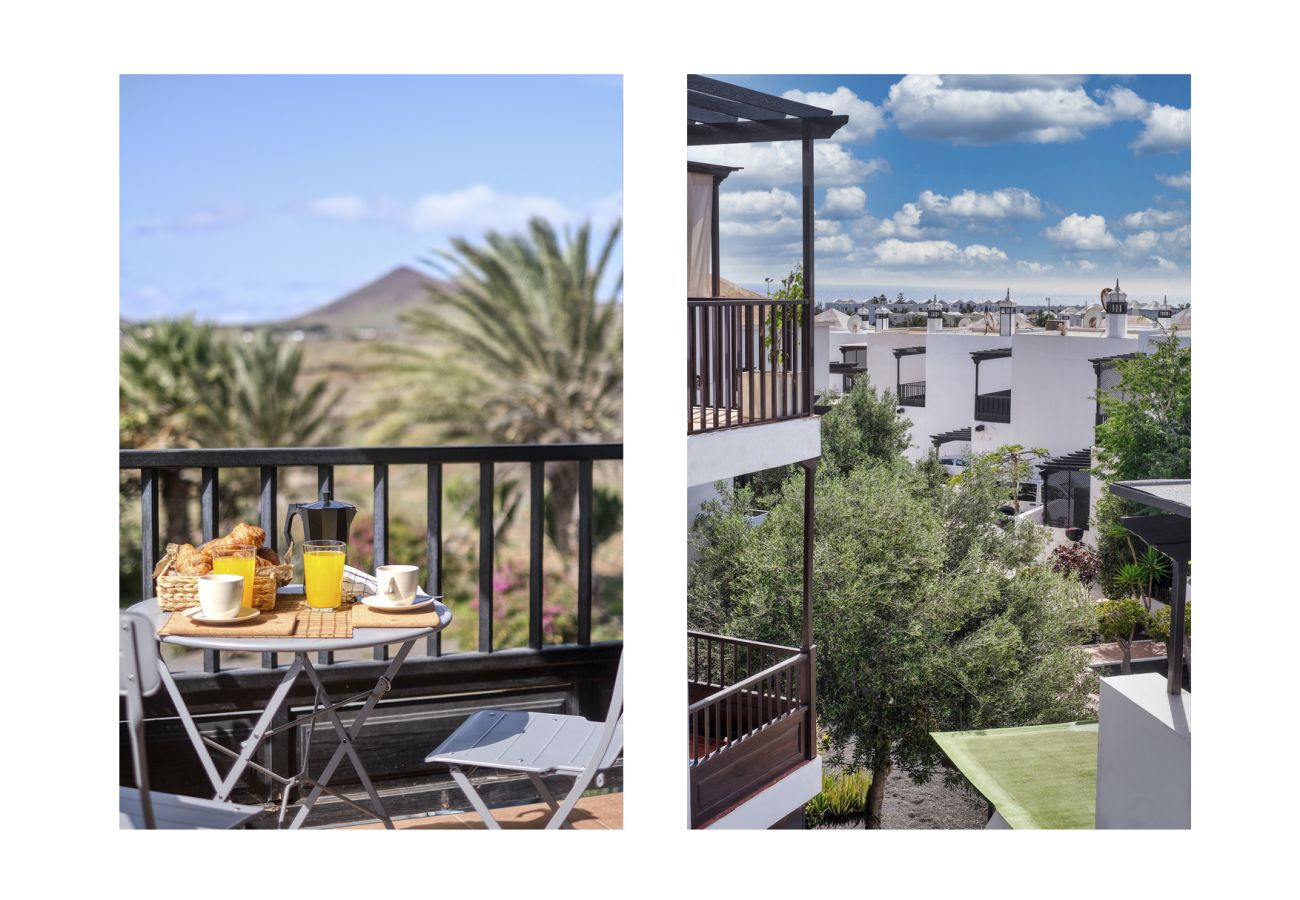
x: 246, y: 613
x: 375, y: 601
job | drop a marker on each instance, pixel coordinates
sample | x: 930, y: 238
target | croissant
x: 191, y: 561
x: 243, y: 533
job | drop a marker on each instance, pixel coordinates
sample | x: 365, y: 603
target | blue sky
x: 248, y: 198
x: 1051, y: 185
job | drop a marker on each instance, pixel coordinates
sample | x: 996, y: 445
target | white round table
x: 324, y: 705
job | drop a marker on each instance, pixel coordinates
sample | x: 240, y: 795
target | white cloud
x: 1165, y: 265
x: 865, y: 118
x: 1176, y: 242
x: 988, y: 109
x: 480, y: 207
x: 1035, y: 267
x: 758, y: 204
x: 1076, y: 232
x: 893, y: 252
x: 1013, y: 82
x: 341, y: 207
x: 1083, y: 265
x: 207, y: 218
x: 845, y: 201
x: 468, y: 210
x: 836, y: 243
x: 1004, y: 203
x: 906, y: 223
x: 1182, y: 182
x: 1167, y: 129
x: 779, y: 164
x: 1155, y: 218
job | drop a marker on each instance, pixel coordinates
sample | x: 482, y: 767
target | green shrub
x: 843, y: 798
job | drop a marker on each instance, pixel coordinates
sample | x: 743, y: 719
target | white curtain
x: 699, y: 217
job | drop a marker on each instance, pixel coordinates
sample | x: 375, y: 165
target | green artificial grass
x: 1037, y: 776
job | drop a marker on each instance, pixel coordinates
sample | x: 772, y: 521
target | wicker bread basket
x: 176, y: 592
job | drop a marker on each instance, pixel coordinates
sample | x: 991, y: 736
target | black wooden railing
x: 751, y: 718
x: 911, y: 394
x: 271, y: 461
x: 994, y: 407
x: 747, y: 362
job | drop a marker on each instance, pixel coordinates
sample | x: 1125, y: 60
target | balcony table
x: 323, y: 705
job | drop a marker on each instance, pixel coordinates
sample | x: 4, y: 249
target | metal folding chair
x: 138, y: 807
x: 536, y: 744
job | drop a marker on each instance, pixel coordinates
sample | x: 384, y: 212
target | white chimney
x: 1116, y: 305
x: 933, y: 316
x: 1007, y: 316
x: 882, y: 318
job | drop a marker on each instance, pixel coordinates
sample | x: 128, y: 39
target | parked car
x: 954, y: 465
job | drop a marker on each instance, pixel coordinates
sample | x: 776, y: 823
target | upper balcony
x: 749, y: 362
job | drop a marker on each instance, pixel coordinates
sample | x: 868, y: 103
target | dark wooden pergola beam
x: 709, y: 117
x: 749, y: 132
x: 731, y: 107
x: 712, y: 86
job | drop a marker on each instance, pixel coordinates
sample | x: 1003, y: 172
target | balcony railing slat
x: 486, y: 541
x: 209, y: 502
x: 380, y: 531
x: 148, y: 526
x: 267, y: 506
x: 325, y: 482
x: 536, y: 534
x: 433, y: 541
x: 584, y: 552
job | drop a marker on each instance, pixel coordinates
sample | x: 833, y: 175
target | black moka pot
x: 325, y: 519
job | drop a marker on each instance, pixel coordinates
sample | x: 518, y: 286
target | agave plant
x: 1132, y: 579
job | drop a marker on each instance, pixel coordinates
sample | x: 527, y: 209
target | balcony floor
x: 710, y: 417
x: 603, y: 811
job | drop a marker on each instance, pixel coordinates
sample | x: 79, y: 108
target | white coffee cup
x: 397, y: 583
x: 221, y: 595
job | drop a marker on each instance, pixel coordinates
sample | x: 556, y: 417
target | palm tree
x: 170, y: 382
x: 266, y: 408
x: 182, y: 384
x: 529, y: 353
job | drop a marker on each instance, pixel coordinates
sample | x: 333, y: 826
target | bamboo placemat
x: 316, y: 624
x: 368, y: 617
x: 279, y: 622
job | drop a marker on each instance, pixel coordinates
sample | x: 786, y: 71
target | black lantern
x: 1164, y: 310
x: 1117, y: 301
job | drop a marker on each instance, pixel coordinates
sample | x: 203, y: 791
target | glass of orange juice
x: 322, y: 573
x: 237, y: 559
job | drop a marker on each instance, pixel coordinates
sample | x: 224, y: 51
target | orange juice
x: 238, y: 565
x: 323, y: 573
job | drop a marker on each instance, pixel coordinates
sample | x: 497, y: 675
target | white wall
x: 1144, y: 750
x: 950, y: 388
x: 719, y: 455
x: 821, y: 358
x: 1053, y: 386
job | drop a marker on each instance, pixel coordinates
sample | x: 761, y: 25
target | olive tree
x: 916, y: 631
